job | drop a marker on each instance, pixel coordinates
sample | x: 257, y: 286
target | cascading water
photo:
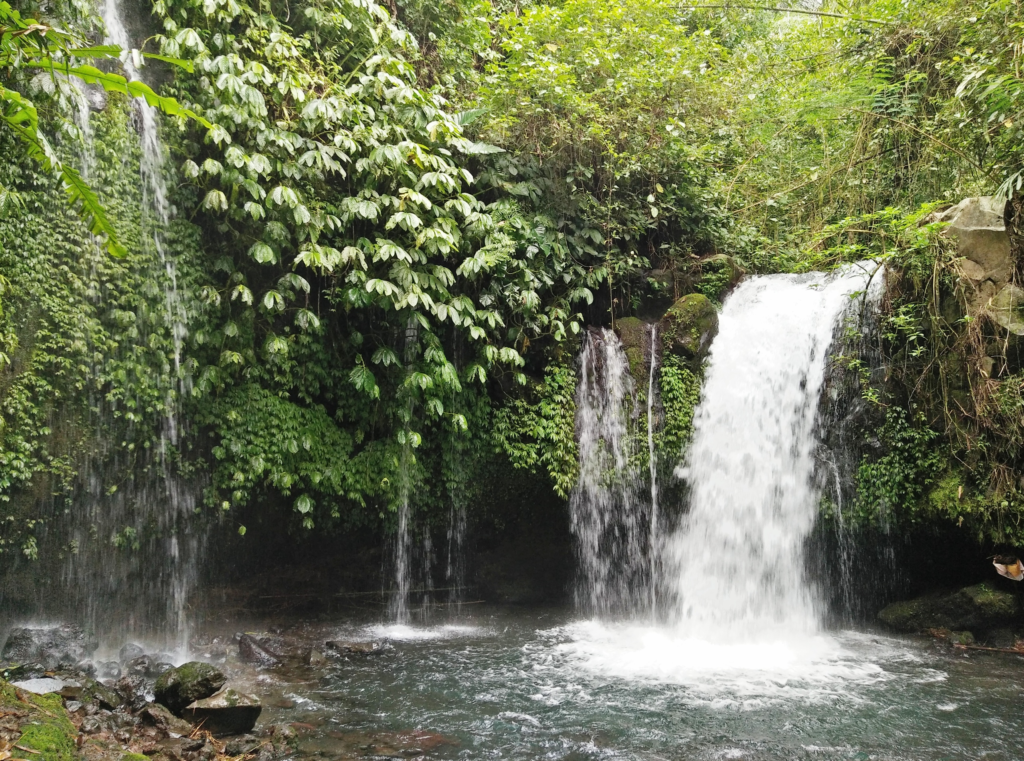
x: 134, y: 556
x: 609, y: 518
x: 652, y: 460
x: 736, y: 564
x: 733, y: 596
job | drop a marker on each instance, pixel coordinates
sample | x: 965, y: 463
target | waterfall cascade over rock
x: 608, y: 510
x: 736, y: 563
x: 732, y: 567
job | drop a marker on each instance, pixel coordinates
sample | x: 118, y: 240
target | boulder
x: 635, y: 336
x: 689, y: 326
x: 1007, y: 309
x: 228, y: 712
x: 178, y: 687
x: 49, y: 645
x: 979, y: 228
x: 252, y: 651
x: 129, y: 652
x: 156, y: 715
x: 977, y: 608
x: 135, y: 690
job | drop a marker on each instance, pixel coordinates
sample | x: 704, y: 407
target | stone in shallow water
x: 973, y: 608
x: 40, y: 686
x: 251, y: 651
x: 192, y: 681
x: 229, y: 712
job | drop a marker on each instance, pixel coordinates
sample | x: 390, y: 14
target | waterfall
x: 134, y: 551
x: 608, y: 517
x: 735, y: 567
x: 652, y: 461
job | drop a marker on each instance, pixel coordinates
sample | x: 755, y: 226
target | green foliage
x: 537, y: 431
x: 893, y: 485
x: 27, y: 43
x: 680, y: 394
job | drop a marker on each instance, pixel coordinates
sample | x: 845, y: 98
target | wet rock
x: 143, y: 665
x: 251, y: 651
x: 977, y: 608
x: 1002, y: 638
x: 100, y: 695
x: 156, y: 715
x: 356, y: 648
x: 228, y: 712
x: 317, y: 659
x: 635, y: 336
x: 135, y: 691
x: 42, y: 686
x: 178, y: 687
x: 279, y: 733
x: 108, y: 670
x: 50, y: 645
x: 689, y: 326
x: 242, y: 746
x: 129, y: 652
x: 23, y: 671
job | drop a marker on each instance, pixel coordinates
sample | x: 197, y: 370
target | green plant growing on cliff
x: 680, y: 394
x: 537, y: 431
x: 892, y: 486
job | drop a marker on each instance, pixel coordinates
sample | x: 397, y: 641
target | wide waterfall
x: 729, y: 580
x: 736, y: 564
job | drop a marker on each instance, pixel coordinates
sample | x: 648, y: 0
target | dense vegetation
x: 401, y: 218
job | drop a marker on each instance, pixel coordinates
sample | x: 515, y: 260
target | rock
x: 636, y: 338
x: 42, y: 686
x: 156, y: 715
x: 50, y: 645
x: 228, y: 712
x: 108, y: 670
x: 689, y: 326
x: 974, y: 608
x: 979, y: 228
x: 1006, y: 308
x: 251, y: 651
x: 1003, y: 638
x: 317, y: 659
x: 100, y: 695
x: 242, y: 746
x: 141, y: 666
x: 23, y: 671
x: 129, y: 652
x: 356, y: 648
x: 178, y: 687
x: 134, y: 689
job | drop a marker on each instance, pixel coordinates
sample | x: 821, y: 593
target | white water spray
x: 735, y: 567
x: 652, y: 460
x: 606, y: 510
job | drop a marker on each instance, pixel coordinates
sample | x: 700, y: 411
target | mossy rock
x: 973, y: 608
x: 46, y: 730
x: 635, y: 335
x: 179, y: 687
x: 689, y: 326
x: 720, y: 275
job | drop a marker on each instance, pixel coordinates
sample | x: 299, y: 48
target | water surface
x: 540, y: 685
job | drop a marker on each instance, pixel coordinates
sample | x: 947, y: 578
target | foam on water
x: 810, y: 668
x: 407, y: 633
